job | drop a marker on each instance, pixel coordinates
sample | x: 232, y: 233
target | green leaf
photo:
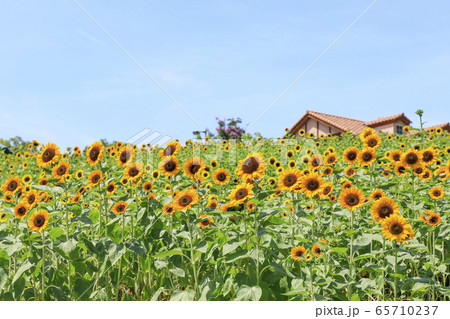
x: 68, y: 246
x: 296, y: 292
x: 231, y: 247
x: 56, y: 232
x: 246, y: 293
x: 167, y: 253
x: 178, y: 272
x: 137, y: 248
x: 24, y: 267
x: 3, y: 278
x: 183, y: 295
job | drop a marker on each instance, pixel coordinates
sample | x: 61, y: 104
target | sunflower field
x: 331, y: 218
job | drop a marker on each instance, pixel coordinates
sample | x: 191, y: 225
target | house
x: 321, y: 124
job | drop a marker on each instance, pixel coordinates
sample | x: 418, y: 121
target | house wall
x: 389, y: 128
x: 311, y: 127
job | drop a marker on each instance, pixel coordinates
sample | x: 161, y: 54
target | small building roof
x: 344, y: 124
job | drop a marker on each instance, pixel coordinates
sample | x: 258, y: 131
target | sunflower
x: 241, y: 193
x: 426, y: 175
x: 133, y: 171
x: 94, y: 153
x: 125, y: 155
x: 76, y: 198
x: 411, y: 159
x: 327, y: 188
x: 297, y: 253
x: 372, y: 141
x: 349, y: 171
x: 155, y: 174
x: 253, y: 167
x: 31, y: 198
x: 169, y: 166
x: 292, y: 163
x: 289, y: 179
x: 396, y: 227
x: 194, y: 167
x: 21, y: 210
x: 221, y: 176
x: 205, y: 221
x: 212, y: 203
x: 50, y: 155
x: 436, y: 192
x: 316, y: 250
x: 12, y: 185
x: 400, y: 170
x: 26, y: 179
x: 315, y: 161
x: 368, y: 131
x: 111, y: 188
x: 429, y: 156
x: 39, y: 220
x: 60, y: 170
x: 94, y: 178
x: 395, y: 156
x: 367, y: 156
x: 351, y: 198
x: 331, y: 159
x: 434, y: 219
x: 351, y: 155
x: 147, y: 187
x: 168, y: 209
x: 377, y: 194
x: 383, y: 208
x: 311, y: 184
x: 171, y: 148
x: 309, y: 206
x: 120, y: 207
x: 185, y: 199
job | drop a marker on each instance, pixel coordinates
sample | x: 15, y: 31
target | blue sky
x: 64, y: 80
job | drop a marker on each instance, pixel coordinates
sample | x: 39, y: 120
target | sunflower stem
x: 395, y: 270
x: 43, y: 269
x: 194, y: 267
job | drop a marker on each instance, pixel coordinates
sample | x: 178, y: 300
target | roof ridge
x: 386, y: 117
x: 342, y: 117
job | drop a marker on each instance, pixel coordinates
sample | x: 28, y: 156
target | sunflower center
x: 351, y: 156
x: 110, y: 188
x: 250, y: 165
x: 411, y: 158
x: 396, y: 229
x: 299, y: 253
x: 185, y: 200
x: 121, y: 208
x: 427, y: 156
x: 385, y: 211
x: 170, y: 166
x: 396, y: 157
x: 436, y: 193
x: 290, y: 180
x: 125, y: 156
x: 367, y: 157
x: 221, y: 177
x: 312, y: 185
x: 352, y: 200
x: 433, y: 220
x: 21, y: 211
x: 241, y: 193
x: 48, y: 155
x: 372, y: 142
x: 12, y: 186
x: 133, y: 172
x: 205, y: 222
x: 194, y: 168
x: 169, y: 150
x: 95, y: 178
x: 327, y: 190
x: 31, y: 199
x: 93, y: 154
x: 61, y: 170
x: 39, y: 221
x: 27, y: 179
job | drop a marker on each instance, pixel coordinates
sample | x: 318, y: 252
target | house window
x: 399, y: 129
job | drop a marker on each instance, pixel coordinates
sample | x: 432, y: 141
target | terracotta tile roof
x: 442, y: 125
x: 343, y: 123
x: 381, y: 120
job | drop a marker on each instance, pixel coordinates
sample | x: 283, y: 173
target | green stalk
x: 43, y: 269
x: 194, y: 266
x: 395, y: 270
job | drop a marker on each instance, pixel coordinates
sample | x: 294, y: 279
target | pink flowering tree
x: 229, y: 129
